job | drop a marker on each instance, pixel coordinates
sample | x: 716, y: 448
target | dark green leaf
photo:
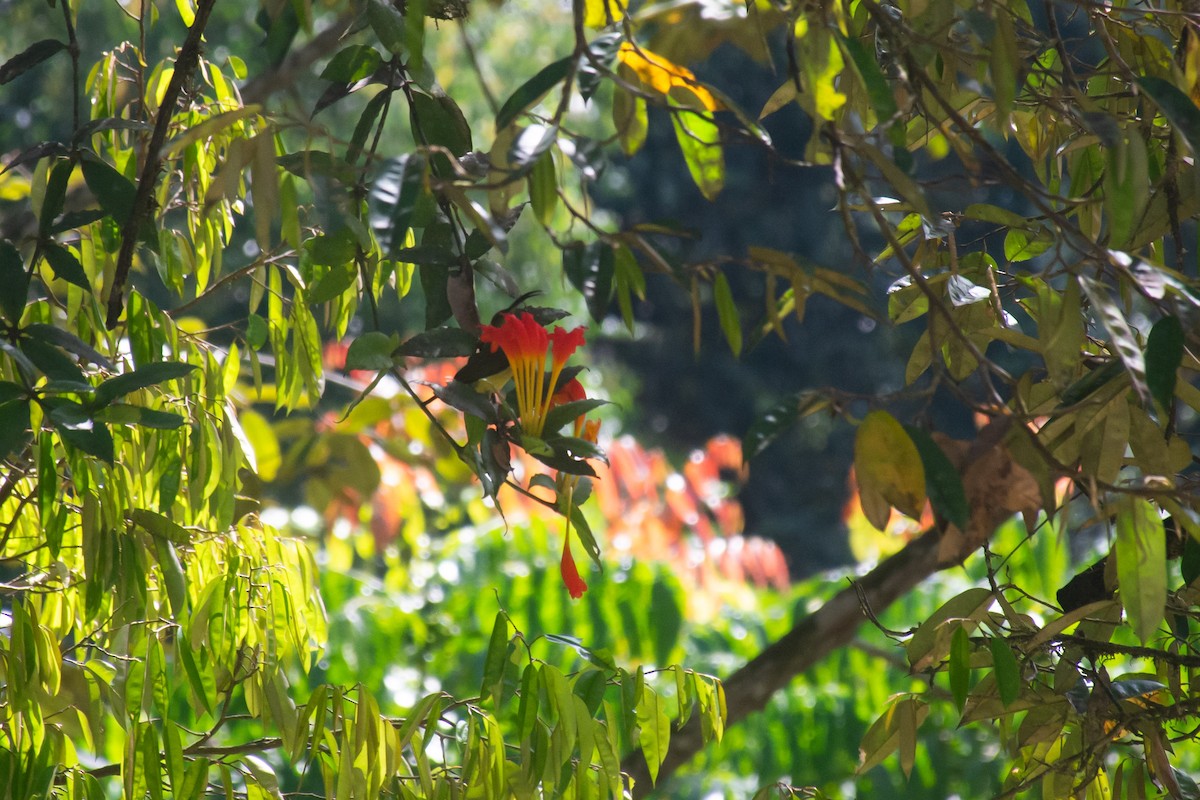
x: 334, y: 249
x: 943, y: 484
x: 533, y: 90
x: 1164, y: 353
x: 56, y: 192
x: 113, y: 190
x: 388, y: 25
x: 15, y: 430
x: 91, y: 437
x: 394, y: 197
x: 308, y: 163
x: 365, y: 125
x: 775, y: 421
x: 124, y: 413
x: 1177, y: 107
x: 54, y: 363
x: 10, y: 391
x: 560, y: 415
x: 883, y: 101
x: 141, y: 378
x: 73, y: 220
x: 494, y: 464
x: 666, y: 617
x: 371, y: 351
x: 14, y: 282
x: 495, y: 660
x: 442, y: 342
x: 1006, y: 670
x: 69, y: 342
x: 427, y: 255
x: 530, y: 144
x: 457, y: 394
x: 590, y: 270
x: 437, y: 303
x: 1089, y: 383
x: 1189, y: 564
x: 437, y: 120
x: 66, y: 265
x: 959, y: 666
x: 29, y: 58
x: 352, y: 63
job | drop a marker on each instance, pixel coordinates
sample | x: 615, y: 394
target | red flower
x: 570, y: 573
x: 526, y: 344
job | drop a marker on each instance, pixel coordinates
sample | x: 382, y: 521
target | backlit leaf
x: 887, y: 462
x: 1141, y: 552
x: 532, y: 91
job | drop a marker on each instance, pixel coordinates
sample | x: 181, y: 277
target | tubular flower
x: 589, y: 430
x: 571, y: 391
x: 526, y: 344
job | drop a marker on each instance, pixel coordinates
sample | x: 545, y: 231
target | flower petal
x: 570, y: 573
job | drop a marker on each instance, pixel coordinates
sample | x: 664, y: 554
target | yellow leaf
x: 602, y: 13
x: 666, y: 78
x: 886, y: 463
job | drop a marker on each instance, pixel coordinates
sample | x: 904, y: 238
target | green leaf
x: 352, y: 63
x: 1006, y: 670
x: 533, y: 90
x: 15, y: 427
x: 959, y: 666
x: 543, y: 189
x: 388, y: 24
x: 560, y: 415
x: 56, y: 193
x: 590, y: 270
x: 1177, y: 107
x: 1164, y: 353
x: 67, y: 341
x: 90, y: 436
x: 308, y: 163
x: 879, y: 91
x: 437, y: 120
x: 333, y: 283
x: 1123, y: 339
x: 699, y: 140
x: 371, y: 351
x: 770, y: 424
x: 14, y: 282
x: 53, y: 362
x: 114, y: 191
x: 495, y: 660
x: 654, y: 734
x: 1189, y: 563
x: 141, y: 378
x: 942, y: 481
x: 442, y: 342
x: 666, y: 616
x: 123, y: 413
x: 29, y: 58
x: 1020, y: 245
x: 888, y: 465
x: 1141, y: 551
x: 727, y: 313
x: 629, y: 119
x: 65, y: 265
x: 457, y: 394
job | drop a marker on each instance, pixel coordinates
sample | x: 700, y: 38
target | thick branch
x: 831, y: 627
x: 185, y: 65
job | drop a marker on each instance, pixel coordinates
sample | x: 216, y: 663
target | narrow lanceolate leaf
x: 942, y: 481
x: 1141, y: 564
x: 960, y: 666
x: 1123, y: 339
x: 66, y: 265
x: 1006, y: 670
x: 727, y: 313
x: 887, y: 464
x: 497, y: 657
x: 543, y: 189
x: 533, y: 90
x: 141, y: 378
x: 29, y: 58
x: 14, y: 282
x: 1164, y: 352
x: 1177, y: 107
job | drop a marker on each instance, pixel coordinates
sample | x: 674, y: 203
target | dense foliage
x: 195, y: 465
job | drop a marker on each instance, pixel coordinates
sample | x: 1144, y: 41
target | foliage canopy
x: 1017, y: 182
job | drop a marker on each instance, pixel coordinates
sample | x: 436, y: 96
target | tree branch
x: 185, y: 65
x: 833, y: 626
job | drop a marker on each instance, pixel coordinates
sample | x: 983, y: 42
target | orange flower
x: 526, y: 344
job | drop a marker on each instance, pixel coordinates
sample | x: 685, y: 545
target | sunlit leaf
x: 1141, y: 564
x: 887, y: 463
